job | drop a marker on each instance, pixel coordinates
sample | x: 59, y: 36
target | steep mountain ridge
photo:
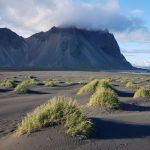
x: 66, y: 49
x: 12, y: 49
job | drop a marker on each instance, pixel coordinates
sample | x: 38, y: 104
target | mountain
x: 12, y: 49
x: 62, y: 49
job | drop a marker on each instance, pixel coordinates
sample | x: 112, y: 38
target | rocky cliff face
x: 62, y: 48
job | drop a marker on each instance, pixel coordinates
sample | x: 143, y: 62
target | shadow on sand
x: 133, y: 107
x: 37, y: 92
x: 67, y: 85
x: 125, y: 94
x: 5, y: 90
x: 108, y: 129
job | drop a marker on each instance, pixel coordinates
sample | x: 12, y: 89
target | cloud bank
x: 29, y: 16
x: 144, y: 64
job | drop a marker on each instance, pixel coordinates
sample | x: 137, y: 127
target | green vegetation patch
x: 68, y: 82
x: 30, y: 81
x: 104, y: 83
x: 105, y: 98
x: 59, y: 110
x: 23, y: 87
x: 123, y: 80
x: 130, y: 85
x: 8, y: 83
x: 95, y: 85
x: 142, y: 93
x: 50, y: 83
x: 89, y: 88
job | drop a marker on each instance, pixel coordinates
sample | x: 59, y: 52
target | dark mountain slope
x: 63, y: 48
x: 12, y: 49
x: 71, y: 48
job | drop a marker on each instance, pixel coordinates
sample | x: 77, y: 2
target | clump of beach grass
x: 94, y: 85
x: 142, y: 93
x: 130, y: 85
x: 8, y: 83
x: 103, y: 83
x: 68, y: 82
x: 58, y: 111
x: 50, y: 83
x: 105, y: 98
x: 23, y: 87
x: 30, y: 81
x: 30, y: 77
x: 123, y: 80
x: 89, y: 88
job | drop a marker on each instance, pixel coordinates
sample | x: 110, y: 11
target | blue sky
x: 137, y: 52
x: 128, y: 20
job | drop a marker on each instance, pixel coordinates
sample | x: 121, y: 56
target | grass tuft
x: 23, y: 87
x: 59, y: 110
x: 30, y: 81
x: 142, y: 93
x: 89, y: 88
x: 105, y: 98
x: 103, y: 83
x: 69, y: 82
x: 95, y: 85
x: 49, y: 83
x: 8, y: 83
x: 130, y: 85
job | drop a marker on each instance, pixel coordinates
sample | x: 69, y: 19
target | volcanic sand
x: 125, y: 129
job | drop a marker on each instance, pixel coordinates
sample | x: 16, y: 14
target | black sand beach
x: 124, y: 129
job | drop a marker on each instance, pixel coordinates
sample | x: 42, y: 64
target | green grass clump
x: 89, y: 88
x: 123, y: 80
x: 49, y: 83
x: 95, y: 85
x: 68, y: 82
x: 130, y: 85
x: 23, y: 87
x: 58, y: 111
x: 103, y: 83
x: 30, y: 81
x: 105, y: 98
x: 30, y: 77
x: 8, y: 83
x: 142, y: 93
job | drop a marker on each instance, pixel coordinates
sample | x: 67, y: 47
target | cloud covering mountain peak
x: 30, y: 16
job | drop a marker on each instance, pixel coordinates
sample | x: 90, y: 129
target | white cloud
x: 141, y: 63
x: 136, y: 51
x: 30, y: 16
x: 139, y: 35
x: 137, y: 12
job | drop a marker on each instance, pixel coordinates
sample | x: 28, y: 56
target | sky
x: 128, y: 20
